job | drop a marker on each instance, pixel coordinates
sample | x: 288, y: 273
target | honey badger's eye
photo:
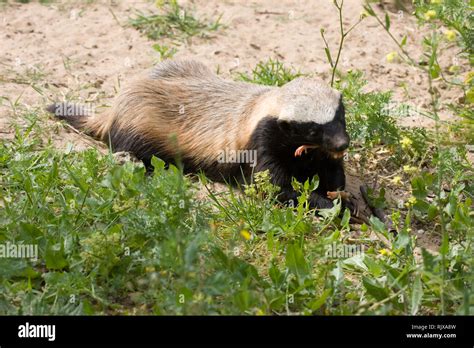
x: 314, y: 132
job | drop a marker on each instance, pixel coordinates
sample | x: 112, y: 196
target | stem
x: 439, y: 177
x: 340, y: 42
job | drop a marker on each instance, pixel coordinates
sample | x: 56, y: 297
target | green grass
x: 174, y: 22
x: 271, y: 72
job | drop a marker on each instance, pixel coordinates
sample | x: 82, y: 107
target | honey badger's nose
x: 341, y: 142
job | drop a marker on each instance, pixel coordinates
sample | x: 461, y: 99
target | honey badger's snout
x: 335, y: 138
x: 340, y: 142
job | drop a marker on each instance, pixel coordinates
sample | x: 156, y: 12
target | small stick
x: 269, y: 12
x: 303, y: 148
x: 332, y: 195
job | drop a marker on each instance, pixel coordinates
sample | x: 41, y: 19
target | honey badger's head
x: 312, y: 114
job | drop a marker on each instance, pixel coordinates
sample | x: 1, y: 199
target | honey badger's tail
x: 80, y: 117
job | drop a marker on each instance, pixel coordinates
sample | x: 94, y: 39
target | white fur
x: 308, y: 100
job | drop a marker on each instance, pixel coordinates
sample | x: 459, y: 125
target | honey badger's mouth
x: 304, y: 149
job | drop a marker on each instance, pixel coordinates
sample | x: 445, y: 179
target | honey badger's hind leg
x: 138, y: 144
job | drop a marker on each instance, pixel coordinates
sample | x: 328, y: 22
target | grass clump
x: 271, y: 72
x: 174, y: 22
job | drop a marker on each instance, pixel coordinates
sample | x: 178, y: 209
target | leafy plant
x: 272, y: 73
x: 165, y: 52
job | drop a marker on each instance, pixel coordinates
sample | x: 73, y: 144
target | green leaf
x: 374, y: 289
x: 435, y: 71
x: 416, y: 295
x: 377, y: 225
x: 374, y: 267
x: 275, y: 275
x: 444, y: 248
x: 404, y: 41
x: 328, y: 55
x: 316, y: 304
x: 158, y: 164
x: 29, y: 232
x: 387, y: 21
x: 428, y: 259
x: 402, y: 240
x: 54, y: 257
x: 356, y: 262
x: 306, y: 185
x: 345, y: 218
x: 369, y: 9
x: 338, y: 273
x: 295, y: 261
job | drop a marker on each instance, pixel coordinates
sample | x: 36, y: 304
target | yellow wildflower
x: 392, y: 57
x: 453, y: 69
x: 246, y: 234
x: 430, y: 14
x: 397, y: 180
x: 385, y: 252
x: 469, y: 77
x: 409, y: 169
x: 450, y: 35
x: 406, y: 142
x: 411, y: 201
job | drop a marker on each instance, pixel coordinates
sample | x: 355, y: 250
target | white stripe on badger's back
x: 308, y: 100
x: 171, y: 69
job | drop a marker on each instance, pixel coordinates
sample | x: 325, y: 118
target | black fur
x: 276, y: 142
x: 144, y: 149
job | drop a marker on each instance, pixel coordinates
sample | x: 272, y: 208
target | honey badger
x: 184, y: 112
